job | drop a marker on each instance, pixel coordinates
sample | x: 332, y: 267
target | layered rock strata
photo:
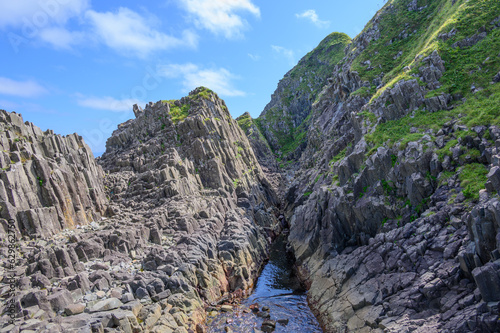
x: 393, y: 205
x: 189, y: 223
x: 48, y: 182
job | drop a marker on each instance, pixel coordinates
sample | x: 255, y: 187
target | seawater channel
x: 278, y: 294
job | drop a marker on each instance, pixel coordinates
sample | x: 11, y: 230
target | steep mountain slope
x: 285, y: 118
x: 393, y: 206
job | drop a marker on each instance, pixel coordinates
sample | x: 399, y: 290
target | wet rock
x: 283, y: 322
x: 268, y: 326
x: 226, y: 308
x: 263, y: 314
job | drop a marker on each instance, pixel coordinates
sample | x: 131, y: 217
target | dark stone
x: 488, y: 282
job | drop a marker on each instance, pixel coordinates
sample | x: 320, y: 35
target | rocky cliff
x: 389, y: 152
x: 189, y: 221
x: 392, y: 203
x: 285, y: 119
x: 48, y: 182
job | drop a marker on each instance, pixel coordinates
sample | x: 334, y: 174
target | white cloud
x: 128, y: 31
x: 61, y: 38
x: 313, y: 17
x: 289, y: 54
x: 123, y: 30
x: 219, y: 16
x: 219, y: 80
x: 254, y: 57
x: 34, y: 14
x: 107, y: 103
x: 28, y: 88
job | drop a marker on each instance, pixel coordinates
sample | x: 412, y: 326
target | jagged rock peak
x: 48, y: 182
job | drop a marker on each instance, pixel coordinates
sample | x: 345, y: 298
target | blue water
x: 278, y: 289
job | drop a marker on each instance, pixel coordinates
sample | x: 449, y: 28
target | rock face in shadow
x: 48, y: 182
x: 394, y: 217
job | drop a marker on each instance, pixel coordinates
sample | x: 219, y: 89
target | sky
x: 80, y: 65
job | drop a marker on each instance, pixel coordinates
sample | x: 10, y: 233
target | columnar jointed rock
x: 189, y: 168
x: 394, y: 212
x: 190, y: 218
x: 48, y: 182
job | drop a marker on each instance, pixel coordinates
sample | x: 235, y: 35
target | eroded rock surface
x: 189, y: 221
x: 48, y: 182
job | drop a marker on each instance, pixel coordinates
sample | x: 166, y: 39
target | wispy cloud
x: 219, y: 79
x: 39, y: 14
x: 28, y: 88
x: 60, y: 38
x: 127, y: 31
x: 107, y: 103
x: 254, y: 57
x: 219, y: 16
x: 313, y: 17
x: 287, y: 53
x: 123, y: 30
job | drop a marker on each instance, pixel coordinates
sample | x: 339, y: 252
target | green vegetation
x: 388, y: 188
x: 398, y: 43
x: 244, y: 121
x: 446, y: 150
x: 335, y: 180
x: 444, y: 176
x: 321, y: 61
x: 339, y: 156
x: 474, y: 65
x: 372, y: 118
x: 394, y: 159
x: 472, y: 179
x: 483, y: 107
x: 365, y: 91
x: 408, y: 36
x: 310, y: 74
x: 363, y: 192
x: 306, y: 194
x: 291, y: 138
x: 291, y: 143
x: 205, y: 93
x: 398, y: 130
x: 178, y: 113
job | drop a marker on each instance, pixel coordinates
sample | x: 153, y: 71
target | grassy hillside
x: 284, y: 121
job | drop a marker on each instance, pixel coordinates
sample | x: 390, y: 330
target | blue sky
x: 80, y: 65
